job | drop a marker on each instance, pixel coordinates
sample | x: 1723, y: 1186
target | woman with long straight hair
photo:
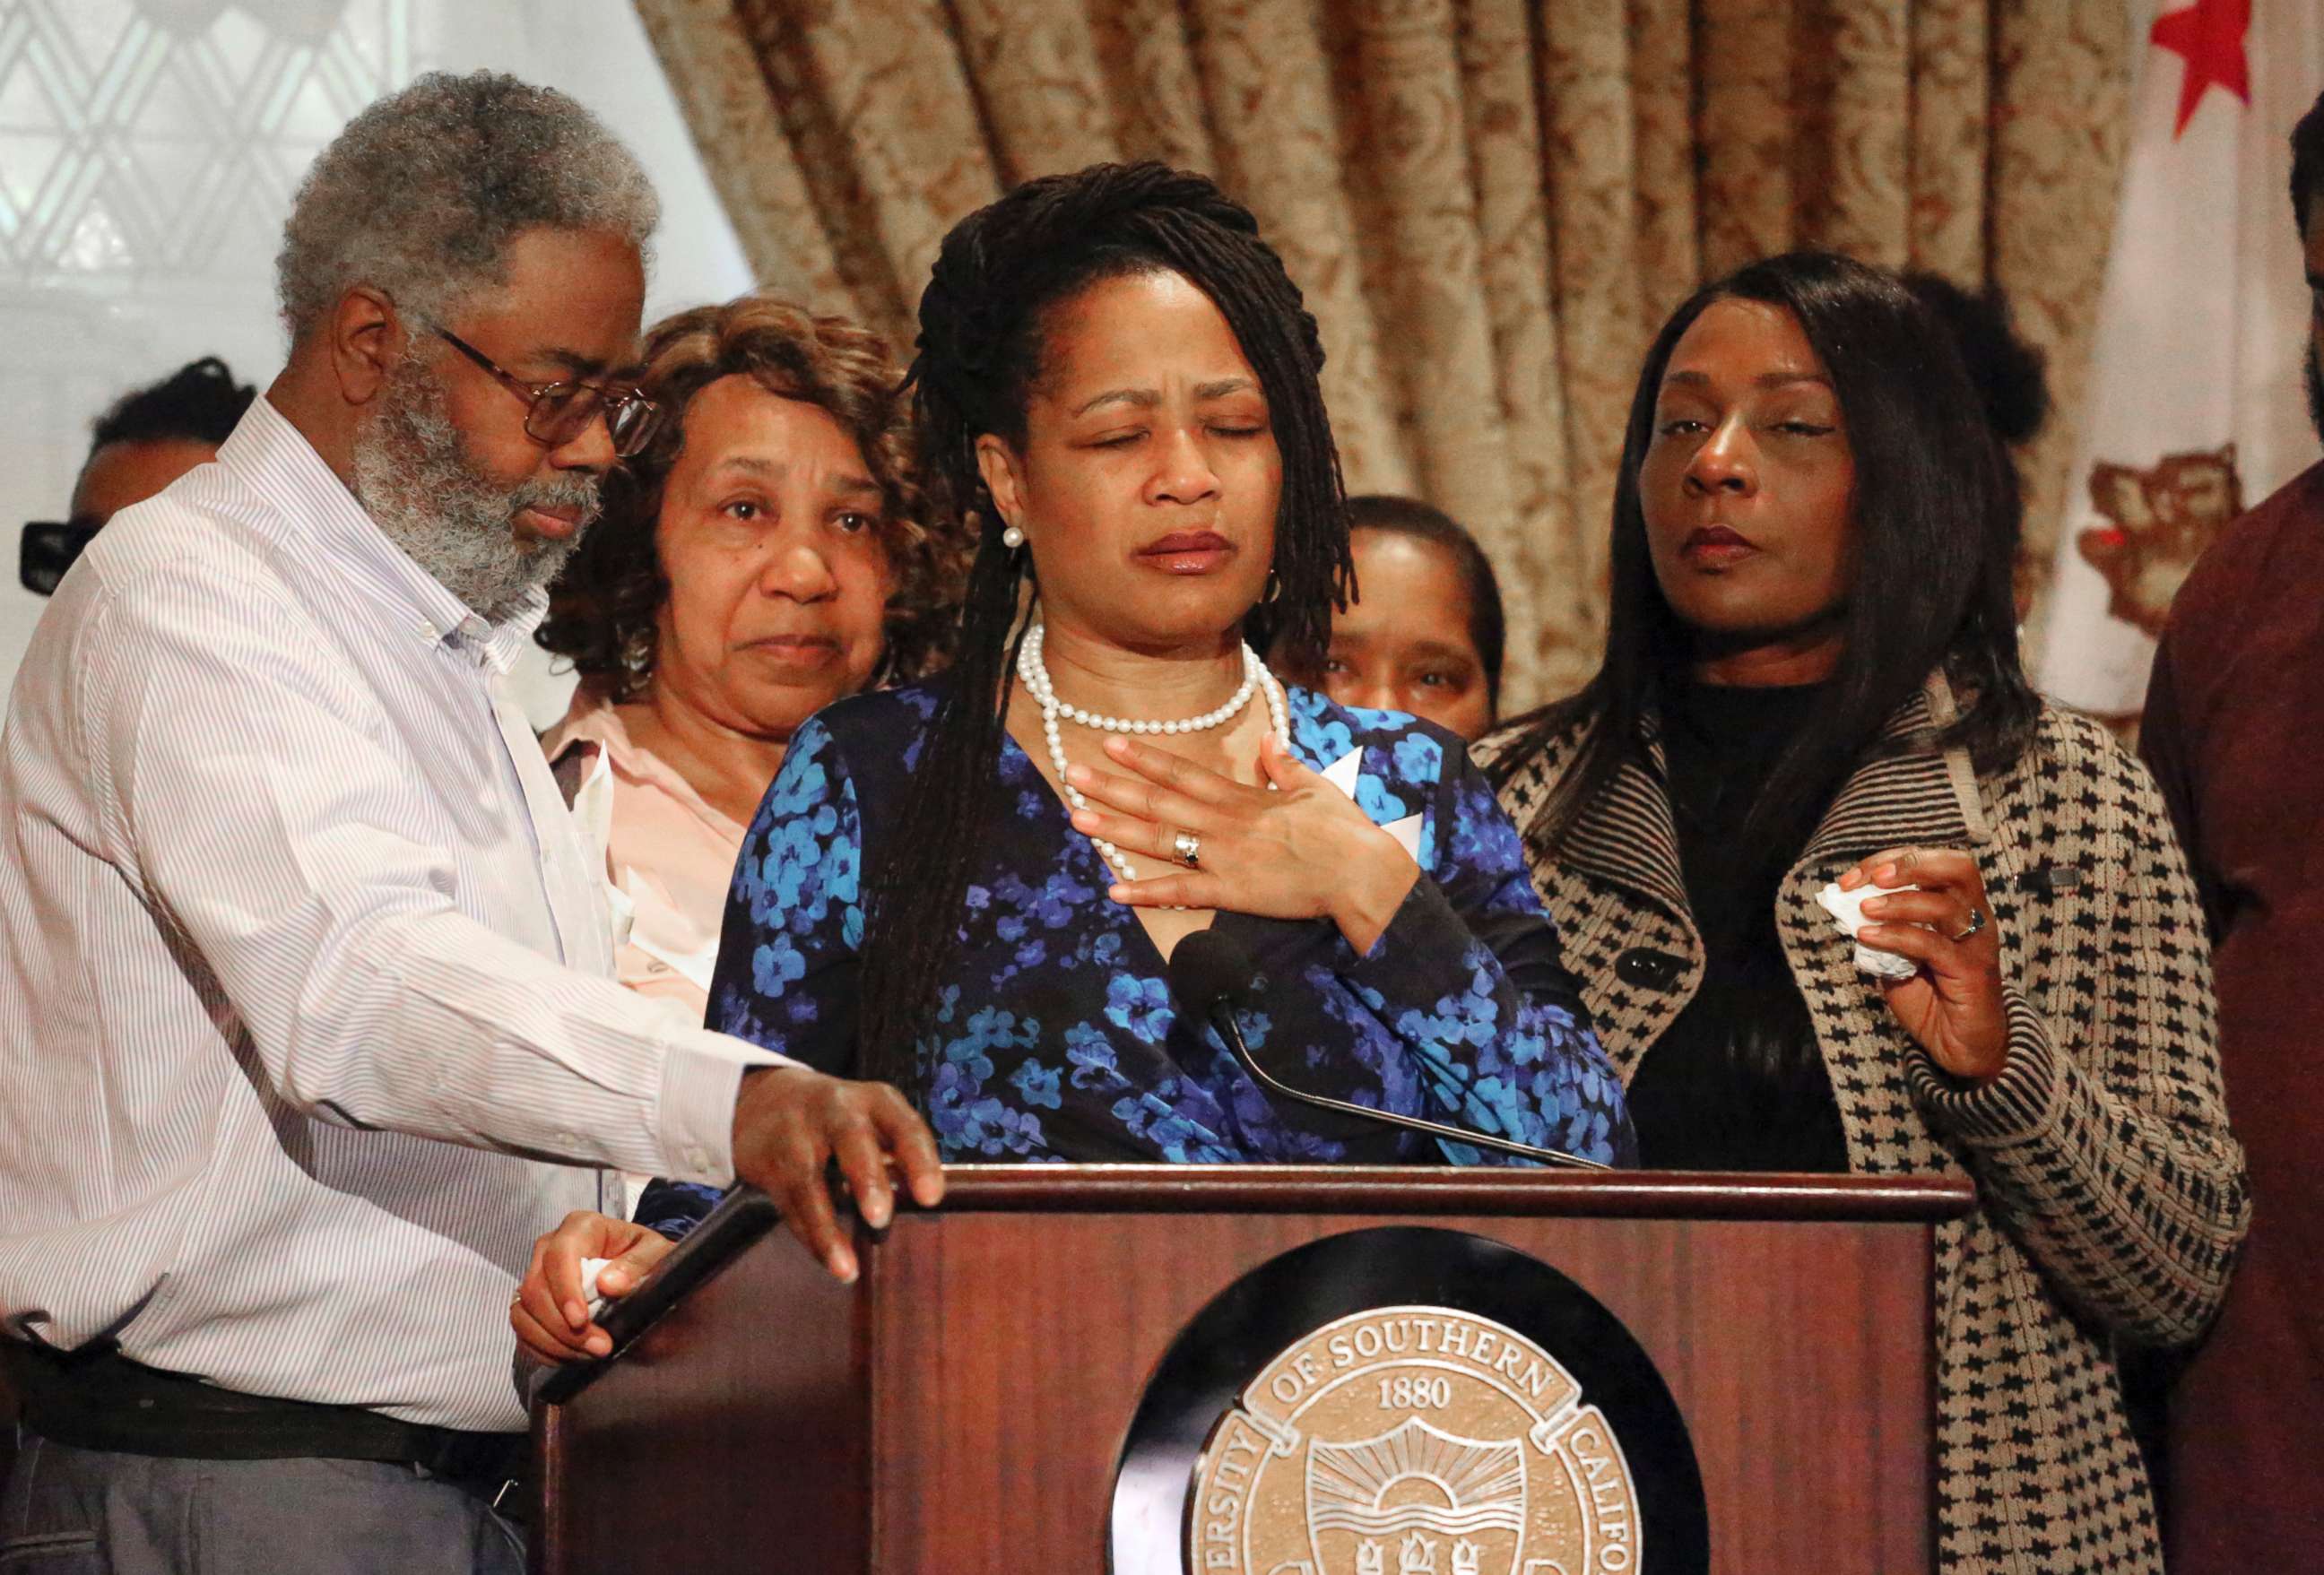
x: 969, y: 889
x: 1812, y: 693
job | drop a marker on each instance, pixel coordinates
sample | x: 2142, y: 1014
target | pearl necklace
x: 1035, y: 672
x: 1036, y: 678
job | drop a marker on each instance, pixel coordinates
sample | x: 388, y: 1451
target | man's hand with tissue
x: 1952, y: 1004
x: 551, y: 1313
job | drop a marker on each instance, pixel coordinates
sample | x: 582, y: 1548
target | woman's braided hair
x: 998, y: 281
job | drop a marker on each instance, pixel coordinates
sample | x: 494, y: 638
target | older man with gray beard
x: 307, y: 979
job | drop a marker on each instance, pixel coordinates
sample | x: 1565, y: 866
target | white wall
x: 148, y: 152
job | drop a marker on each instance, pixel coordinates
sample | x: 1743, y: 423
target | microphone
x: 1213, y: 977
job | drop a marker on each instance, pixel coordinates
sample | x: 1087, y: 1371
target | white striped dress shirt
x: 306, y: 973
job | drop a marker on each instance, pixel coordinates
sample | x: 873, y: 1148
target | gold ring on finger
x: 1188, y: 847
x: 1975, y: 922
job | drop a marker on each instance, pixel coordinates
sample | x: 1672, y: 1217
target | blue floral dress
x: 1059, y: 1039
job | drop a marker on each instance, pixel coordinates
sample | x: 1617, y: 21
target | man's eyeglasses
x: 561, y: 411
x: 47, y: 548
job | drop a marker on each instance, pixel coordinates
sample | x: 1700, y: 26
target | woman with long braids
x: 970, y: 889
x: 1811, y: 694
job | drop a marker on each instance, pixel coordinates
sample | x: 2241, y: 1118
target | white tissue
x: 1847, y: 910
x: 589, y: 1267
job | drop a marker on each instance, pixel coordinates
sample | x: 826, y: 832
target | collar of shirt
x: 592, y: 718
x: 319, y: 521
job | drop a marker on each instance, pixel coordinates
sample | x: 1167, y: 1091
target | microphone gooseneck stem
x: 1223, y: 1018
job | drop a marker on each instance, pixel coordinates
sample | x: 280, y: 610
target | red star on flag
x: 2209, y: 36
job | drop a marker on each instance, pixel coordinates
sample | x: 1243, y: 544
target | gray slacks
x: 88, y: 1511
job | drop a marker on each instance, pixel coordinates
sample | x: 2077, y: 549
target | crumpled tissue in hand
x: 1847, y: 910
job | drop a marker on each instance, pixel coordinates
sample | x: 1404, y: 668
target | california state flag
x: 2196, y: 408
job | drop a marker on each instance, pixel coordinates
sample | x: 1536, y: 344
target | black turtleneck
x: 1738, y: 1081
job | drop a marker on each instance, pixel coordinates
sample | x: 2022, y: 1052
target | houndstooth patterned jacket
x: 2111, y: 1194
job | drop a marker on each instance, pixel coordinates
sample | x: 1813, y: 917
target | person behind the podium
x: 969, y: 889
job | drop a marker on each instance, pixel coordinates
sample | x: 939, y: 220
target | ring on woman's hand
x: 1975, y: 922
x: 1189, y: 848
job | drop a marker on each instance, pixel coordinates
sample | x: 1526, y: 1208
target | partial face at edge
x: 770, y: 535
x: 1404, y: 643
x: 1149, y: 476
x: 119, y: 474
x: 1747, y: 486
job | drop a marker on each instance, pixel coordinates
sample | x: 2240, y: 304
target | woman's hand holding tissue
x: 1951, y: 1003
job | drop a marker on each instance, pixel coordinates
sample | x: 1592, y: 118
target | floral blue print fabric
x: 1058, y: 1038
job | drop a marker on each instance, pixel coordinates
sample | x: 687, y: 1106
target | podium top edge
x: 1389, y: 1190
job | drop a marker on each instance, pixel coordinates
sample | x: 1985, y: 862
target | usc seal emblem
x: 1413, y: 1441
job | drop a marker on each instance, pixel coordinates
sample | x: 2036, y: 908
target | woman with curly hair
x: 767, y: 553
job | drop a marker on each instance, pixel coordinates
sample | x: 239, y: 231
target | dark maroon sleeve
x: 2167, y: 745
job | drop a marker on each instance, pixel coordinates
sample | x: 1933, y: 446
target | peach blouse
x: 667, y: 856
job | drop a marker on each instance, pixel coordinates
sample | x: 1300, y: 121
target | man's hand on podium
x: 551, y: 1314
x: 792, y: 1123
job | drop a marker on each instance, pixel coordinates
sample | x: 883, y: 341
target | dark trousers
x: 7, y: 1432
x: 68, y: 1511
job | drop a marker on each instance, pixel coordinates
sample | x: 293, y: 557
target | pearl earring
x: 1012, y: 539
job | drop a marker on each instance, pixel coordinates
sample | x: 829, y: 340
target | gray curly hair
x: 423, y: 191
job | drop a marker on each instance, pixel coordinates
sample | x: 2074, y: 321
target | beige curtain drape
x: 1490, y: 204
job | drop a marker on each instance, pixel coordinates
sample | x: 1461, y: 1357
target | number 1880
x: 1414, y: 1393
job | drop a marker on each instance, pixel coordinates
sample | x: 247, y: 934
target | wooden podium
x: 963, y: 1407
